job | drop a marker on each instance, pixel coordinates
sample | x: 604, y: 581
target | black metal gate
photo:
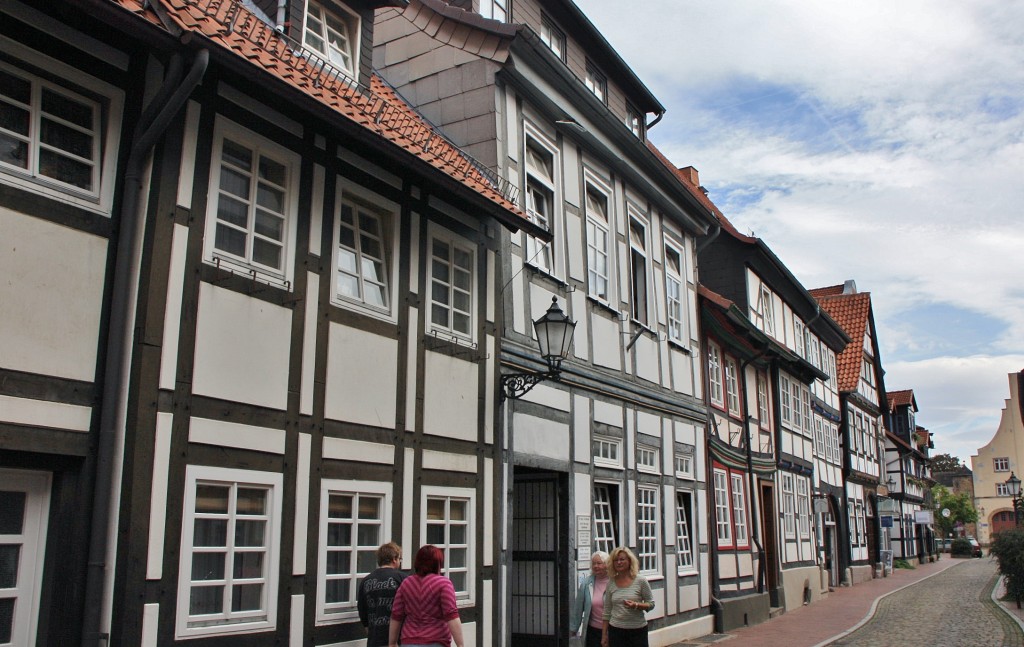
x: 537, y: 578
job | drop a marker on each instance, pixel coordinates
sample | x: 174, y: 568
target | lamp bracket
x: 516, y: 385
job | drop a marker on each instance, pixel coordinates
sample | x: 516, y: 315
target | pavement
x: 909, y: 607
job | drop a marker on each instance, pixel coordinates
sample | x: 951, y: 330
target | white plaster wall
x: 242, y: 348
x: 606, y: 342
x: 362, y: 377
x: 55, y: 276
x: 540, y: 437
x: 746, y: 564
x: 451, y: 397
x: 647, y: 365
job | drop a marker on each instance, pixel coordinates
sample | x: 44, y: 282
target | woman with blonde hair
x: 626, y: 600
x: 587, y: 619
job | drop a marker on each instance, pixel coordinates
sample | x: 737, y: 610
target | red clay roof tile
x: 851, y: 312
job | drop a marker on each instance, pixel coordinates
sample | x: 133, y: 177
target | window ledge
x: 604, y: 306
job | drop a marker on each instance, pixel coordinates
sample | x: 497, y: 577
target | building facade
x: 996, y: 461
x: 614, y: 452
x: 270, y: 349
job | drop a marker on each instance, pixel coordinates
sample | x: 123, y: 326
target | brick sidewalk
x: 842, y: 610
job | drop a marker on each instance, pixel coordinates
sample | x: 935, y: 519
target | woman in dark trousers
x: 626, y: 600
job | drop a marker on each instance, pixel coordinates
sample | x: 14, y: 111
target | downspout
x: 153, y: 122
x: 709, y: 238
x: 655, y: 122
x: 755, y: 530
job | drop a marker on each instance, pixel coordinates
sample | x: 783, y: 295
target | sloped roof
x: 227, y: 24
x: 830, y: 291
x: 852, y: 312
x: 901, y: 399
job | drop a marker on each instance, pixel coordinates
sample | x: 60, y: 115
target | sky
x: 876, y: 141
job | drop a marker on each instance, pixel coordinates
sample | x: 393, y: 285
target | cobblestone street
x: 952, y: 608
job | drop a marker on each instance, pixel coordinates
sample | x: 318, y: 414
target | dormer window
x: 596, y: 83
x: 553, y: 37
x: 494, y: 9
x: 636, y: 123
x: 333, y: 35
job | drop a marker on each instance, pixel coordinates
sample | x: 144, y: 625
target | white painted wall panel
x: 646, y: 350
x: 574, y: 235
x: 42, y: 413
x: 581, y: 336
x: 172, y: 308
x: 517, y: 283
x: 449, y: 462
x: 309, y: 326
x: 540, y: 437
x: 408, y: 494
x: 361, y: 385
x: 451, y: 397
x: 727, y: 566
x: 242, y: 348
x: 301, y: 504
x: 411, y: 370
x: 158, y: 496
x: 608, y: 413
x: 207, y: 431
x: 581, y: 429
x: 746, y: 564
x: 150, y: 624
x: 316, y: 211
x: 187, y: 173
x: 343, y: 449
x: 548, y: 396
x: 606, y: 342
x: 489, y: 503
x: 55, y: 274
x: 295, y: 618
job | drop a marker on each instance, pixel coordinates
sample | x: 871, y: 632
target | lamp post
x: 554, y: 336
x: 1013, y: 488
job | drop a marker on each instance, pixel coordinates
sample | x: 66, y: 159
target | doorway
x: 24, y: 504
x: 769, y: 538
x: 538, y: 578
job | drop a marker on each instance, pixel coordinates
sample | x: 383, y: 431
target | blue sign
x: 886, y: 520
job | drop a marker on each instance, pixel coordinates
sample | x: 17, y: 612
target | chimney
x: 850, y: 287
x: 690, y: 174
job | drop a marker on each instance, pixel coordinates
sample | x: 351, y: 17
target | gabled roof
x: 901, y: 399
x: 852, y: 312
x: 231, y: 29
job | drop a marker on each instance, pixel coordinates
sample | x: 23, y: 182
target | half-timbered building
x: 862, y: 404
x: 908, y: 473
x: 256, y: 322
x: 769, y: 352
x: 612, y: 453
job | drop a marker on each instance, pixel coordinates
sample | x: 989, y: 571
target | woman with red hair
x: 424, y: 610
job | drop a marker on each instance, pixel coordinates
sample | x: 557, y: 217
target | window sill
x: 543, y: 273
x: 679, y: 346
x: 234, y: 267
x: 608, y: 464
x: 603, y: 306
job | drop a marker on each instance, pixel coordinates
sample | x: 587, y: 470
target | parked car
x: 975, y: 547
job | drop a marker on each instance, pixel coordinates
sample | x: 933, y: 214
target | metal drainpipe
x: 153, y: 122
x: 761, y: 576
x: 709, y: 239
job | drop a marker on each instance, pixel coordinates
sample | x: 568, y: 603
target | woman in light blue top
x: 587, y: 617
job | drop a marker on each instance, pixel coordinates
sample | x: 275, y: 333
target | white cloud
x: 878, y: 141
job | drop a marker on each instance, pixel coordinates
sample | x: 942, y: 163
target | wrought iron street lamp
x: 1013, y: 489
x: 554, y: 336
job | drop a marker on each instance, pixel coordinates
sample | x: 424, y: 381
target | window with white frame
x: 1001, y: 464
x: 607, y: 451
x: 647, y: 528
x: 364, y: 244
x: 815, y: 353
x: 552, y: 37
x: 861, y: 533
x: 798, y: 336
x: 647, y: 458
x: 723, y: 517
x: 230, y: 550
x: 638, y: 269
x: 674, y: 293
x: 766, y: 310
x: 1002, y: 489
x: 684, y: 465
x: 739, y: 508
x: 636, y: 122
x: 354, y: 521
x: 597, y: 243
x: 819, y: 437
x: 596, y: 82
x: 606, y: 517
x: 495, y: 9
x: 762, y: 400
x: 786, y: 405
x: 803, y: 507
x: 540, y: 200
x: 732, y: 386
x: 49, y: 133
x: 805, y: 404
x: 448, y: 524
x: 788, y: 506
x: 452, y: 285
x: 253, y: 202
x: 334, y: 34
x: 851, y: 508
x: 684, y: 531
x: 715, y: 374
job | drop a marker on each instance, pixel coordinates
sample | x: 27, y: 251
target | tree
x: 961, y: 509
x: 946, y: 463
x: 1008, y: 547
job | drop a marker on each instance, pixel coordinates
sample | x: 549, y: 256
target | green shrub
x: 1008, y: 548
x: 902, y: 563
x: 960, y: 547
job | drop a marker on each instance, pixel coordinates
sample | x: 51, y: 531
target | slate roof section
x: 852, y: 312
x: 229, y: 25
